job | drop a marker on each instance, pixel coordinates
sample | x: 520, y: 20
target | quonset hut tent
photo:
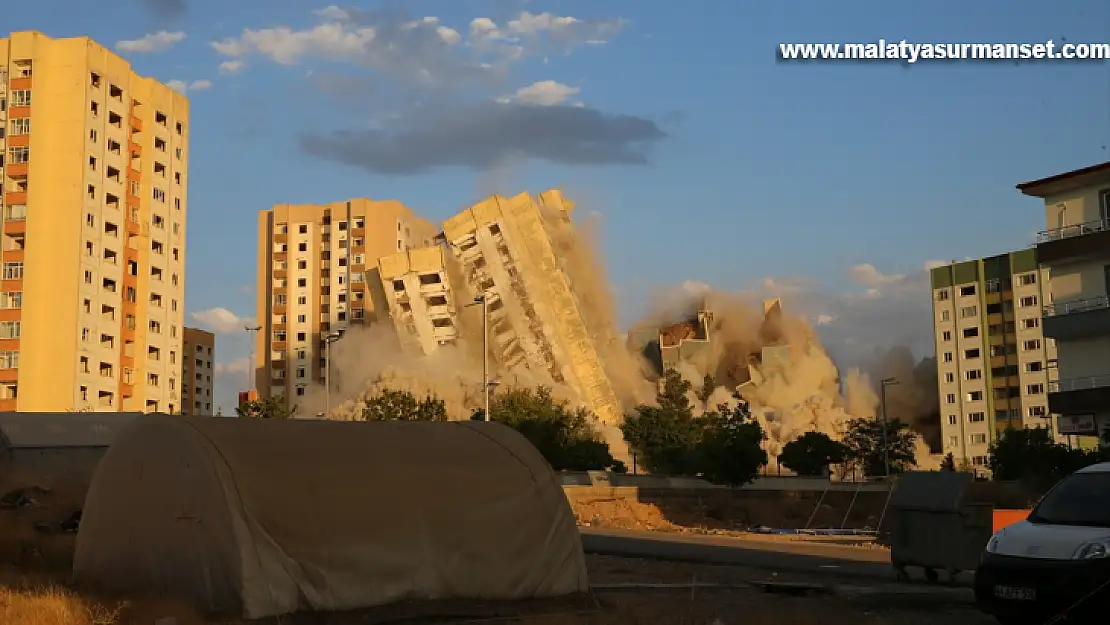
x: 265, y: 517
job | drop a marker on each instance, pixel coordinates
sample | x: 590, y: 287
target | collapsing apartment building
x: 504, y: 252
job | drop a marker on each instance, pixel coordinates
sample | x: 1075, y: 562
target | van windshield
x: 1079, y: 499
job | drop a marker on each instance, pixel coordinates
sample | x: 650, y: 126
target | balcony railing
x: 1077, y: 306
x: 1079, y: 384
x: 1067, y: 232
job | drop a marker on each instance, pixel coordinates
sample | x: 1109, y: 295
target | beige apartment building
x: 197, y: 371
x: 312, y: 264
x: 94, y: 176
x: 413, y: 286
x: 506, y: 254
x: 994, y: 364
x: 1076, y: 247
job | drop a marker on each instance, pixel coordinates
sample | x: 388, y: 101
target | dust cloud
x: 772, y: 358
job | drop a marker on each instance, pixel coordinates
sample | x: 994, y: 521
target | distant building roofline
x: 1059, y: 182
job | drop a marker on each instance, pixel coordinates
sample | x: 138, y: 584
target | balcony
x: 1070, y: 243
x: 1086, y: 395
x: 1078, y: 319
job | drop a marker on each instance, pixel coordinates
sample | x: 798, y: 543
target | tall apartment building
x: 197, y: 371
x: 994, y: 364
x: 534, y: 319
x: 1076, y: 247
x: 414, y: 288
x: 93, y: 177
x: 312, y: 261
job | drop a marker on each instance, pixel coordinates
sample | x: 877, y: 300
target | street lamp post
x: 328, y: 340
x: 484, y: 301
x: 250, y: 347
x: 882, y: 401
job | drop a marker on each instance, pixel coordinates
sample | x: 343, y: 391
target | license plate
x: 1015, y: 593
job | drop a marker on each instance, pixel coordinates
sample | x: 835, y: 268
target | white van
x: 1056, y: 562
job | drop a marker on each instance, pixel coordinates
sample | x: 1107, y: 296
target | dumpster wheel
x: 932, y: 576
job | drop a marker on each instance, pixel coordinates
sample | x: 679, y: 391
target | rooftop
x: 1067, y: 180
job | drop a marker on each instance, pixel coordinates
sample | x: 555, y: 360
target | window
x: 952, y: 419
x: 1070, y: 502
x: 302, y: 247
x: 11, y: 299
x: 21, y: 126
x: 945, y: 316
x: 9, y: 329
x: 1033, y: 367
x: 947, y: 356
x: 302, y: 229
x: 971, y: 354
x: 19, y: 155
x: 949, y: 377
x: 979, y: 461
x: 9, y: 359
x: 970, y: 333
x: 15, y: 212
x: 974, y: 374
x: 994, y: 285
x: 966, y: 291
x: 1030, y: 323
x: 978, y: 439
x: 13, y: 271
x: 21, y: 97
x: 946, y: 335
x: 1028, y: 278
x: 1028, y: 301
x: 976, y: 417
x: 159, y: 194
x: 968, y: 311
x: 1034, y: 389
x: 1030, y: 345
x: 1038, y: 411
x: 953, y: 441
x: 950, y: 398
x: 975, y: 396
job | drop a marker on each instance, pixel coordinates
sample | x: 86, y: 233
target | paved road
x: 792, y: 556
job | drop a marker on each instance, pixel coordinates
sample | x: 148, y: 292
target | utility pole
x: 882, y: 401
x: 251, y: 330
x: 328, y: 340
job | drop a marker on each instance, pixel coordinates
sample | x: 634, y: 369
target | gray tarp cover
x: 266, y: 517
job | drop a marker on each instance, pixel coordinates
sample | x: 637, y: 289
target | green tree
x: 864, y: 440
x: 395, y: 405
x: 1030, y: 455
x: 268, y: 408
x: 811, y: 454
x: 665, y: 437
x: 565, y: 436
x: 949, y: 463
x: 708, y: 385
x: 730, y: 449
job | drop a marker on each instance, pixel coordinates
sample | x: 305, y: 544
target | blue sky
x: 836, y: 181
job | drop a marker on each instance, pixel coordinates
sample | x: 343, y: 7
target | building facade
x: 506, y: 254
x: 994, y: 364
x: 1076, y: 247
x: 94, y: 177
x: 414, y: 288
x: 312, y: 264
x: 197, y: 372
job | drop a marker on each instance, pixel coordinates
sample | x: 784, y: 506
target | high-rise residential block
x: 994, y: 364
x: 1076, y: 247
x: 414, y: 288
x: 506, y: 254
x: 94, y: 175
x: 312, y: 262
x: 197, y: 372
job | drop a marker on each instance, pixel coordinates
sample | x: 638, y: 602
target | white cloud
x: 419, y: 48
x: 543, y: 92
x: 154, y: 42
x: 228, y: 68
x: 221, y: 320
x: 239, y: 365
x: 181, y: 86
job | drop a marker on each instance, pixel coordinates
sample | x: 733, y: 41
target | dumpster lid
x: 934, y: 491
